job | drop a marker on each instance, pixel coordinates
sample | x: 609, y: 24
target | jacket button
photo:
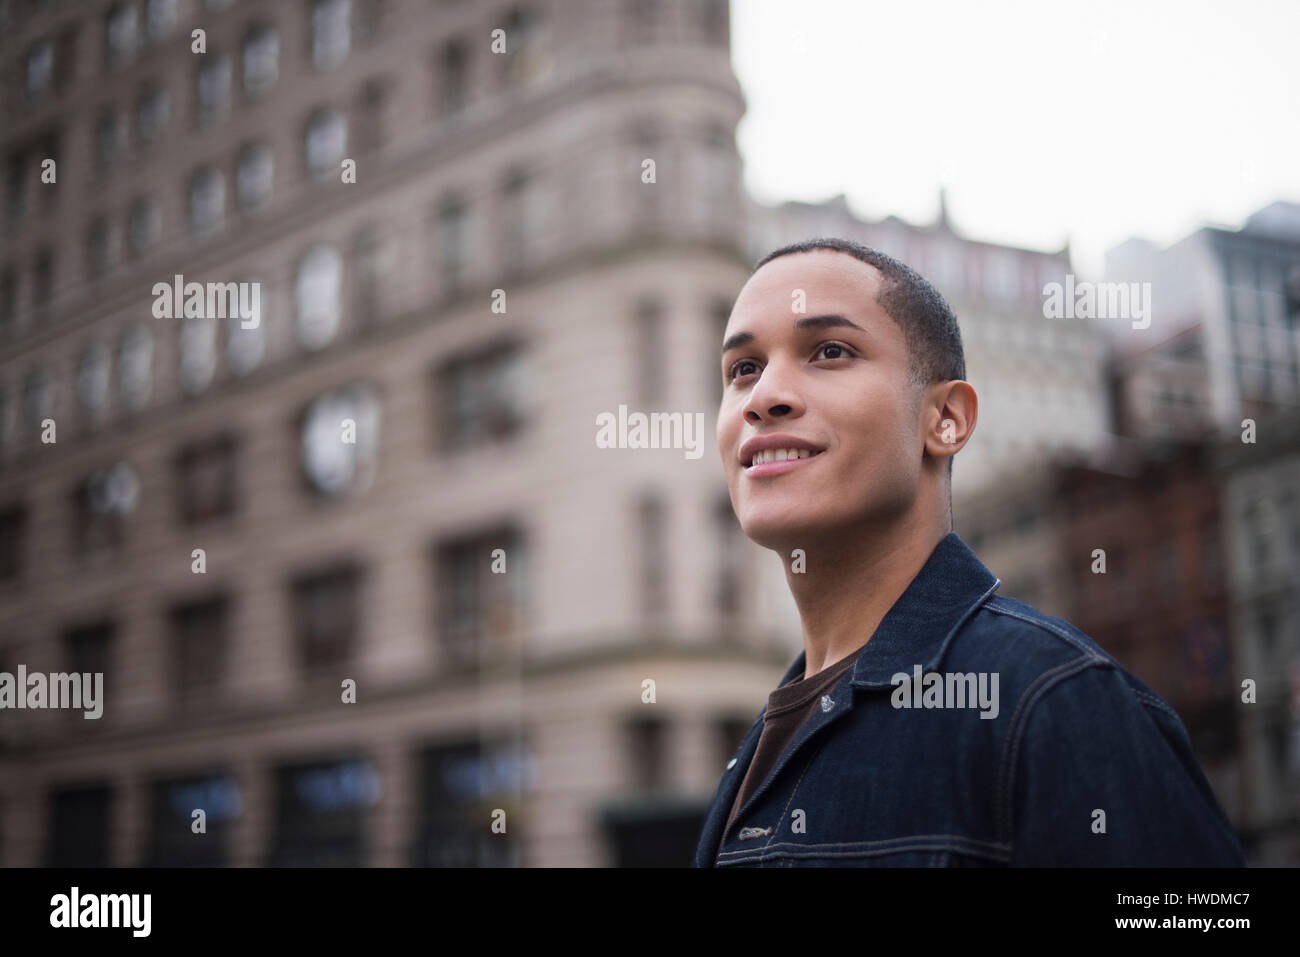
x: 827, y: 703
x: 731, y: 764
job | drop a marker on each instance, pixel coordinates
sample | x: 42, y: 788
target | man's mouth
x: 776, y: 461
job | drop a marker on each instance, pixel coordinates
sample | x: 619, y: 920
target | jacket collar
x: 947, y: 590
x: 951, y: 584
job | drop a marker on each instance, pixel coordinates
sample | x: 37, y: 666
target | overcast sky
x: 1095, y: 121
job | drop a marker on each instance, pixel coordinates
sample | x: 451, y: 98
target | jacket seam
x: 936, y: 843
x: 781, y: 820
x: 1046, y: 625
x: 1157, y: 703
x: 1004, y: 797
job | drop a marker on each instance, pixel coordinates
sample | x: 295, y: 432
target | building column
x: 23, y: 822
x: 129, y: 829
x: 253, y: 829
x: 393, y: 818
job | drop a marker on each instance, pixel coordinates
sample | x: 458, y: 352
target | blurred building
x: 1261, y: 504
x: 1160, y: 606
x: 1224, y: 339
x: 385, y: 473
x: 1040, y: 381
x: 1194, y: 508
x: 1125, y: 543
x: 1221, y: 362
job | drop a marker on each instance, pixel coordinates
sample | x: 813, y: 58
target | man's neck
x: 848, y: 585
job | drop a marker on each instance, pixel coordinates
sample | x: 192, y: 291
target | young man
x: 927, y: 721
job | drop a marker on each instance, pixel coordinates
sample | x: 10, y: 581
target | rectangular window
x: 90, y: 649
x: 13, y: 536
x: 483, y: 395
x: 647, y: 745
x: 100, y: 504
x: 78, y: 827
x: 172, y: 803
x: 460, y: 784
x: 199, y: 645
x: 205, y: 479
x: 326, y: 610
x: 322, y: 813
x: 481, y: 588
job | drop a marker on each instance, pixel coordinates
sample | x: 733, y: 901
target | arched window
x: 213, y: 86
x: 254, y: 175
x: 331, y: 32
x: 317, y: 294
x: 327, y: 138
x: 198, y: 353
x: 207, y: 200
x: 261, y: 61
x: 246, y: 339
x: 135, y: 366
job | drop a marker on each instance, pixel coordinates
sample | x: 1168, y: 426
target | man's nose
x: 774, y: 395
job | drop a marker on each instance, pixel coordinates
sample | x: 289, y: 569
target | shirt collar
x: 951, y: 584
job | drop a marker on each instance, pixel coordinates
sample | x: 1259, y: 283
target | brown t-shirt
x: 788, y: 707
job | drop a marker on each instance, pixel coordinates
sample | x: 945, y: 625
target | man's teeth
x: 779, y: 455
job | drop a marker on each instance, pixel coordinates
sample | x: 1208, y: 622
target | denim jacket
x: 1066, y: 759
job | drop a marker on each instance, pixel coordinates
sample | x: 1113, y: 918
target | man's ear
x: 948, y: 417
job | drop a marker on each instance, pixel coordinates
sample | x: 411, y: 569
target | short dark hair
x: 928, y: 322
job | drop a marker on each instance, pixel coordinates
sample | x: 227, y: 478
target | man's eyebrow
x: 826, y: 322
x: 739, y: 339
x: 807, y: 322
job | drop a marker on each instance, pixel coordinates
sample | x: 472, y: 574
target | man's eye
x: 842, y: 351
x: 738, y: 365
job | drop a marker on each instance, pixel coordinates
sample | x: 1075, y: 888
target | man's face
x: 841, y: 393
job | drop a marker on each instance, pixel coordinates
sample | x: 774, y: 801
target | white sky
x: 1094, y: 121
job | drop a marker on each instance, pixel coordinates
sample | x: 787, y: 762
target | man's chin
x: 782, y: 533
